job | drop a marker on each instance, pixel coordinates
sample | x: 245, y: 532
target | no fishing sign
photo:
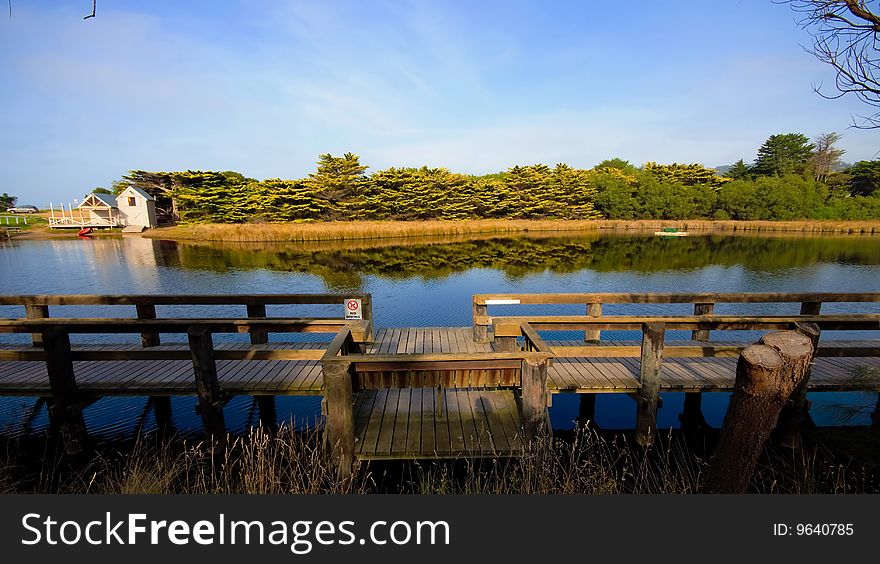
x: 353, y: 308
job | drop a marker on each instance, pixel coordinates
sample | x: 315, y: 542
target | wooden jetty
x: 394, y: 393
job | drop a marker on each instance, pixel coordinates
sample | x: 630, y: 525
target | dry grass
x: 291, y: 463
x: 304, y: 232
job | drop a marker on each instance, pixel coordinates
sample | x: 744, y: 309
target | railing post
x: 505, y: 344
x: 201, y: 345
x: 649, y: 379
x: 702, y: 309
x: 65, y: 410
x: 593, y: 335
x: 148, y: 311
x: 481, y: 332
x: 367, y: 307
x: 36, y: 312
x: 258, y: 337
x: 534, y: 397
x: 338, y: 376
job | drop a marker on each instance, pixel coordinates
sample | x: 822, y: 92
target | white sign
x: 353, y: 308
x: 502, y: 302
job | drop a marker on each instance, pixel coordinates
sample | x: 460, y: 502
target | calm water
x: 430, y: 283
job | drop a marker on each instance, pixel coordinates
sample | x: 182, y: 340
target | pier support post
x: 791, y: 420
x: 66, y: 412
x: 505, y: 344
x: 162, y: 415
x: 339, y: 428
x: 268, y: 414
x: 586, y: 410
x: 653, y: 335
x: 593, y: 335
x: 148, y: 311
x: 534, y: 398
x: 481, y: 332
x: 258, y: 310
x: 36, y: 312
x: 766, y: 375
x: 201, y: 345
x: 692, y: 420
x: 875, y: 417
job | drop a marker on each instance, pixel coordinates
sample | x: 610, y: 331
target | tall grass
x: 353, y: 230
x: 289, y: 462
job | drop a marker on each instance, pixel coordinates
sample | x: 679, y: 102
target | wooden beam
x: 66, y: 410
x: 258, y: 337
x: 534, y: 398
x: 211, y: 402
x: 649, y: 380
x: 338, y: 377
x: 150, y: 338
x: 36, y: 312
x: 593, y: 335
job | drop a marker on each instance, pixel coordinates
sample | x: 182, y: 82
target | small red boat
x: 85, y: 232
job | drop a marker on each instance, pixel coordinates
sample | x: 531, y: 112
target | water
x: 429, y: 282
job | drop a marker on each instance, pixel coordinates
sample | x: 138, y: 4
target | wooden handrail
x: 178, y: 299
x: 673, y: 298
x: 338, y: 345
x: 533, y: 340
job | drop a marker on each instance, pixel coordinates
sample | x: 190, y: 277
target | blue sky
x: 265, y: 87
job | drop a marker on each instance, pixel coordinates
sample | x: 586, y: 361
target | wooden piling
x: 201, y: 346
x: 692, y: 420
x: 65, y: 410
x: 766, y: 375
x: 148, y: 311
x: 791, y: 420
x: 587, y: 410
x: 339, y: 429
x: 36, y: 312
x: 534, y: 397
x: 505, y: 344
x: 268, y: 413
x: 481, y: 332
x: 163, y: 415
x: 258, y: 310
x: 593, y: 335
x: 653, y: 335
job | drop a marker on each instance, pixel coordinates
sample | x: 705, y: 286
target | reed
x: 360, y: 230
x: 290, y: 462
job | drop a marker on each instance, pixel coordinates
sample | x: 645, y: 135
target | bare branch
x: 94, y: 5
x: 846, y: 36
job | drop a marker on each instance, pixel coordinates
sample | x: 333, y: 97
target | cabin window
x: 132, y: 202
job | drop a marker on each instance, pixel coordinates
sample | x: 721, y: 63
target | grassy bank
x: 258, y: 463
x: 327, y: 231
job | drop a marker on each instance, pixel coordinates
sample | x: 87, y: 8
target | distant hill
x: 722, y: 170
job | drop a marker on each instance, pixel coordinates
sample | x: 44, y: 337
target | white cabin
x: 137, y: 209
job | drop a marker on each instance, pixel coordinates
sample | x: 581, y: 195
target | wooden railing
x: 654, y: 348
x: 704, y: 304
x: 37, y: 306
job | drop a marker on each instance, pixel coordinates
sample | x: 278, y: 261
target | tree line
x: 791, y: 178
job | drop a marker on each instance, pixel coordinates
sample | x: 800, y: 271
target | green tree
x: 101, y: 190
x: 865, y: 178
x: 337, y: 179
x: 616, y: 162
x: 7, y: 201
x: 739, y: 171
x: 785, y: 153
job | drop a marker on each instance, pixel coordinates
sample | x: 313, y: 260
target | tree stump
x: 766, y: 375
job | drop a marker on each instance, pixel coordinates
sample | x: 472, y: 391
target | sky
x: 263, y: 88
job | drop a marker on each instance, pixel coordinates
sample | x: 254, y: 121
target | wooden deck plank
x: 414, y: 423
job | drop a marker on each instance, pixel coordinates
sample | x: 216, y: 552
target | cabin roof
x: 137, y: 191
x: 98, y: 201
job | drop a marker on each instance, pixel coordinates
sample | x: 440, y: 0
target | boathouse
x: 137, y: 209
